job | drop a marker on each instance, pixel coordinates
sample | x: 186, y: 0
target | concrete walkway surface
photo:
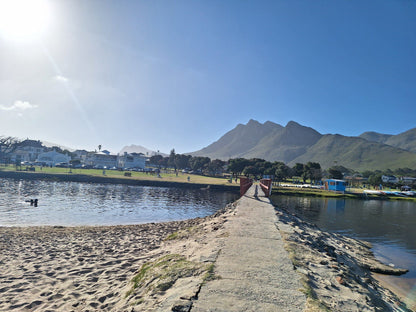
x: 255, y: 271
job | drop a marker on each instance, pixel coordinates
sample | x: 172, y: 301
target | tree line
x: 254, y: 167
x: 279, y: 171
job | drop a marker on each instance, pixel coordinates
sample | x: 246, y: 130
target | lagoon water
x: 389, y: 225
x: 74, y: 204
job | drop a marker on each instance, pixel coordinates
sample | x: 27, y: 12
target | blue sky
x: 179, y: 74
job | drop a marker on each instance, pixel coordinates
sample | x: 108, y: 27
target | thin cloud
x: 18, y: 106
x: 61, y: 78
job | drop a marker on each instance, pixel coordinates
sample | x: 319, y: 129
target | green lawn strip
x: 328, y: 194
x: 135, y: 176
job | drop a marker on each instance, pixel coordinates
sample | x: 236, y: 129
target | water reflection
x: 388, y: 225
x: 69, y: 203
x: 375, y: 220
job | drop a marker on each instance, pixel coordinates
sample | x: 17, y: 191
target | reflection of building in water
x: 334, y: 205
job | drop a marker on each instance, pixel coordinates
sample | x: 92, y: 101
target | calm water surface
x: 389, y: 225
x: 71, y: 203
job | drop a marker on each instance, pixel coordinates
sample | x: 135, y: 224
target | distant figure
x: 33, y: 202
x: 256, y: 192
x: 189, y: 178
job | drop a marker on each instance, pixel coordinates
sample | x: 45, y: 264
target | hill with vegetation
x: 405, y: 140
x: 296, y: 143
x: 356, y: 153
x: 239, y: 140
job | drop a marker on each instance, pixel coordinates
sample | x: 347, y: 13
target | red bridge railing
x: 245, y: 184
x: 266, y: 186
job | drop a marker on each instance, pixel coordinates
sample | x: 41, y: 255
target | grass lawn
x: 167, y: 177
x: 353, y: 193
x: 295, y: 191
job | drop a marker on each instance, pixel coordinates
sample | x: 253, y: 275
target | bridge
x: 255, y: 269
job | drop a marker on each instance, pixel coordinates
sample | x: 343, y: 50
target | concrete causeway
x: 255, y: 269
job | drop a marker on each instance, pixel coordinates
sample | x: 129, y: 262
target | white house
x: 101, y: 159
x: 80, y: 154
x: 389, y: 179
x: 52, y: 158
x: 133, y: 160
x: 408, y: 180
x: 28, y: 150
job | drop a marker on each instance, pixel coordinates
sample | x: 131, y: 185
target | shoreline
x: 85, y: 178
x: 397, y: 290
x: 235, y: 188
x: 56, y: 268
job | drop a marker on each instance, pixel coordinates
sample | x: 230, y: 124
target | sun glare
x: 23, y: 20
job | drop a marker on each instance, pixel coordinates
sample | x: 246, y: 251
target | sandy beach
x: 162, y: 266
x: 75, y: 268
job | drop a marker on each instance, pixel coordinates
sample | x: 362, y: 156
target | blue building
x: 335, y: 185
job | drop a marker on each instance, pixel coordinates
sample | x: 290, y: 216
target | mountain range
x: 296, y: 143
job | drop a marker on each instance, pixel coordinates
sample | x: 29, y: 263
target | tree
x: 335, y: 173
x: 164, y: 162
x: 298, y: 169
x: 367, y: 173
x: 156, y: 160
x: 312, y: 171
x: 270, y: 171
x: 260, y: 164
x: 216, y: 166
x: 171, y: 161
x: 7, y: 146
x: 282, y: 171
x: 237, y: 165
x: 375, y: 179
x: 199, y: 163
x: 182, y: 161
x: 250, y: 171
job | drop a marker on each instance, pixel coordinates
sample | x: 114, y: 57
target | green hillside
x: 405, y: 140
x: 375, y: 137
x: 286, y: 144
x: 356, y: 153
x: 238, y: 141
x: 296, y: 143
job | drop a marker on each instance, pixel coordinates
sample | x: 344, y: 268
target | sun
x: 23, y: 20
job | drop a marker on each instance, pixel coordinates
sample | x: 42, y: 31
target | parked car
x: 62, y: 165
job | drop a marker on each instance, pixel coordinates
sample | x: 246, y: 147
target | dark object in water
x: 33, y: 202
